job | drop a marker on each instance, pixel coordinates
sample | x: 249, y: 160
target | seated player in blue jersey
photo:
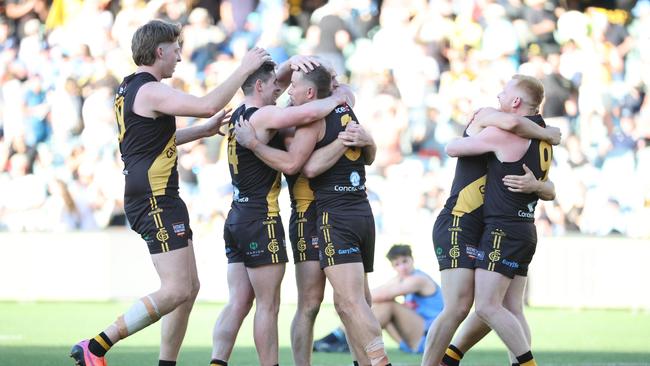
x: 406, y: 322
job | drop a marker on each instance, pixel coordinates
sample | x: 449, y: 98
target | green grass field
x: 37, y: 334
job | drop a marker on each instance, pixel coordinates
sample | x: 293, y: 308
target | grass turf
x: 42, y: 333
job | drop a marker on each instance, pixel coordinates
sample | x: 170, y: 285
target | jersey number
x: 353, y: 153
x: 232, y: 150
x: 545, y: 157
x: 119, y: 116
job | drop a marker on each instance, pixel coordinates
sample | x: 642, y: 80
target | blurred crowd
x: 419, y: 69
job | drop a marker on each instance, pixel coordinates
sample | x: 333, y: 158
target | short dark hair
x: 399, y: 250
x: 322, y: 80
x: 263, y: 73
x: 146, y: 39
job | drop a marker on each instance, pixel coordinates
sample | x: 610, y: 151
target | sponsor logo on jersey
x: 531, y: 211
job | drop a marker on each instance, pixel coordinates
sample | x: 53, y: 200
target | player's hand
x: 355, y: 135
x: 245, y: 133
x: 554, y: 135
x: 303, y: 63
x: 342, y: 95
x: 526, y: 183
x: 213, y: 124
x: 253, y: 59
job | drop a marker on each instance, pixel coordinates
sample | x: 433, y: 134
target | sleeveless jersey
x: 468, y: 187
x: 427, y: 307
x: 300, y: 192
x: 503, y: 205
x: 342, y: 188
x: 147, y: 145
x: 256, y: 186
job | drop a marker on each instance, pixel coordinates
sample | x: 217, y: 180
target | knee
x: 177, y: 295
x: 486, y: 311
x: 457, y: 312
x: 196, y: 286
x: 240, y: 305
x: 516, y: 308
x: 345, y: 307
x: 310, y: 308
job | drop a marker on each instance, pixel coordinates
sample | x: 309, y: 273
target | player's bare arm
x: 519, y: 125
x: 155, y: 98
x: 210, y: 127
x: 288, y: 162
x: 275, y: 118
x: 481, y: 143
x: 325, y: 157
x: 295, y: 63
x: 393, y: 289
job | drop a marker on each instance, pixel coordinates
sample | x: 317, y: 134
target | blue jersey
x: 428, y: 307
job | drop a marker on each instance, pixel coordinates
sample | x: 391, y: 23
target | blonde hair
x: 533, y: 88
x: 146, y: 39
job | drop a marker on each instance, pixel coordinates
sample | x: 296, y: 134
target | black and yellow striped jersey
x: 256, y: 186
x: 500, y: 203
x: 342, y: 188
x: 468, y: 186
x: 148, y: 145
x: 300, y: 192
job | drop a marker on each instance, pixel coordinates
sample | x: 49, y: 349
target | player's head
x: 328, y: 66
x: 401, y: 259
x: 522, y: 94
x: 264, y: 83
x: 305, y: 87
x: 157, y: 42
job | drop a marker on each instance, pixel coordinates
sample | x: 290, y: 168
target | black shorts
x: 508, y: 248
x: 346, y: 239
x: 255, y: 243
x: 456, y: 240
x: 303, y: 234
x: 162, y: 221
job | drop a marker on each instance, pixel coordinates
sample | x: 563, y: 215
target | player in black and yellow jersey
x: 145, y: 110
x: 303, y: 230
x: 346, y: 227
x: 253, y: 232
x: 509, y: 237
x: 458, y: 228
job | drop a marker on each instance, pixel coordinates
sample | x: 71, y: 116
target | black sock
x: 526, y: 359
x: 452, y: 356
x: 166, y: 363
x: 515, y: 364
x: 99, y: 345
x: 216, y: 362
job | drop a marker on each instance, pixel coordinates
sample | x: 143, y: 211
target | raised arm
x: 211, y: 127
x: 516, y: 124
x: 323, y: 159
x: 158, y: 98
x: 295, y: 63
x: 288, y: 162
x: 275, y: 118
x: 527, y: 183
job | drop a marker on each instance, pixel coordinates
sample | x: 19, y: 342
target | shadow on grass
x: 245, y: 356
